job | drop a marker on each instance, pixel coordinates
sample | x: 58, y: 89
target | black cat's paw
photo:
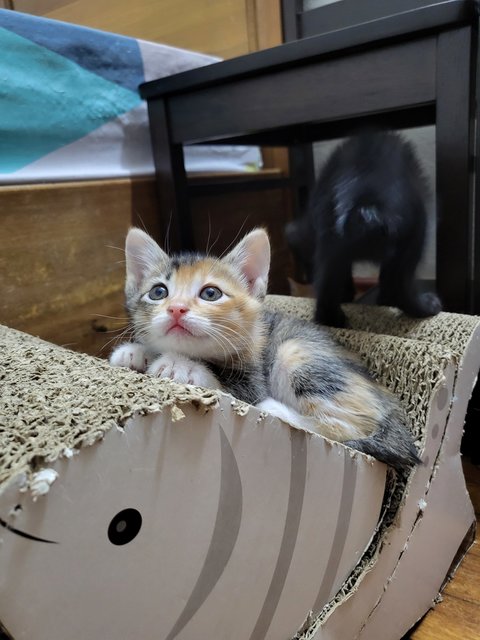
x: 348, y: 293
x: 431, y: 303
x: 423, y: 306
x: 331, y: 317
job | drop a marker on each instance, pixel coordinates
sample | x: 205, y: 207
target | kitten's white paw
x: 131, y: 355
x: 183, y: 370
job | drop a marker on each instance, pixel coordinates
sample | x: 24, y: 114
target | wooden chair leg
x: 475, y: 79
x: 176, y: 221
x: 453, y: 153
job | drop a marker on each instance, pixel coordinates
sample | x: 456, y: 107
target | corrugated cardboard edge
x: 465, y: 367
x: 55, y: 401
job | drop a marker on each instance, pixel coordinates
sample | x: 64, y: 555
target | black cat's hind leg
x: 333, y: 285
x: 300, y: 239
x: 397, y: 281
x: 349, y: 287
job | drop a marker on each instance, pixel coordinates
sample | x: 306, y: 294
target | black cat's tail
x: 391, y: 444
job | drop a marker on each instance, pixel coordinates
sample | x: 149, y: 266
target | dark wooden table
x: 415, y: 68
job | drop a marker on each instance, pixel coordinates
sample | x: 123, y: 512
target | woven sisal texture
x: 52, y: 399
x: 450, y: 329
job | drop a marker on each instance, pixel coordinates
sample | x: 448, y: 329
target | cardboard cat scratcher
x: 136, y: 508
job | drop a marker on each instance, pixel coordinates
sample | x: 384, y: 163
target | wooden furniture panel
x: 61, y: 257
x: 217, y: 27
x: 62, y: 266
x: 345, y: 13
x: 221, y: 220
x: 317, y: 91
x: 455, y: 220
x: 225, y: 28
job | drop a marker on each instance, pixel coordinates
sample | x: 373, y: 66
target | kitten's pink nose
x: 177, y: 310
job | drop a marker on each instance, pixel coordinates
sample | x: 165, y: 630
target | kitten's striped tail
x: 391, y: 444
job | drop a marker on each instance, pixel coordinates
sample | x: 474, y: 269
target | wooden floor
x: 457, y: 617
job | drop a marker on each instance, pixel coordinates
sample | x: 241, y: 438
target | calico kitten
x: 368, y: 204
x: 200, y: 320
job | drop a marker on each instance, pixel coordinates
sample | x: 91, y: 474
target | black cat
x: 368, y: 204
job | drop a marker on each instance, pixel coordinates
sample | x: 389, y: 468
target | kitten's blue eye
x: 158, y: 292
x: 210, y: 294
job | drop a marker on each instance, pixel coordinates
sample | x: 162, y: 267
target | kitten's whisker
x: 100, y: 315
x: 234, y: 241
x: 166, y: 240
x: 244, y: 341
x: 215, y: 242
x: 210, y: 248
x: 108, y: 331
x: 121, y: 336
x: 220, y: 322
x: 139, y: 218
x: 234, y: 334
x: 217, y: 336
x: 209, y: 233
x: 218, y: 340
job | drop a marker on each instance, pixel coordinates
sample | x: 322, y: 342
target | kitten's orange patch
x: 206, y: 272
x: 291, y: 355
x: 350, y: 414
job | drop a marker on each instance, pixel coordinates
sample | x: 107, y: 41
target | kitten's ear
x: 142, y: 254
x: 251, y: 257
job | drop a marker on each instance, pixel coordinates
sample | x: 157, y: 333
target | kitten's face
x: 195, y: 305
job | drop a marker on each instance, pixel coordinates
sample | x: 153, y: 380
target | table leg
x: 175, y: 216
x: 455, y: 231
